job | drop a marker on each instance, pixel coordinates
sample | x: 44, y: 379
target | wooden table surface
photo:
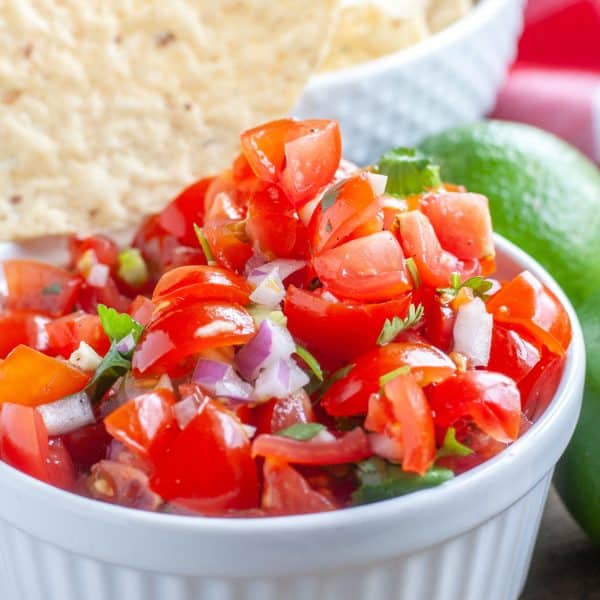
x: 565, y: 565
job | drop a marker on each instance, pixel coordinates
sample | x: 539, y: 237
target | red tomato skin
x: 66, y: 333
x: 351, y: 447
x: 87, y: 445
x: 141, y: 310
x: 286, y: 492
x: 526, y: 303
x: 435, y: 264
x: 21, y: 327
x: 462, y: 223
x: 368, y: 269
x: 438, y: 319
x: 89, y: 297
x: 40, y: 287
x: 338, y: 332
x: 141, y: 423
x: 105, y: 249
x: 209, y: 465
x: 182, y: 332
x: 350, y: 395
x: 24, y: 440
x: 187, y: 209
x: 354, y: 206
x: 512, y: 354
x: 61, y: 471
x: 278, y: 414
x: 490, y: 399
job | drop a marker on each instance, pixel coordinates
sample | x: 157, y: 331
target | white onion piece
x: 473, y: 332
x: 326, y: 295
x: 185, y: 410
x: 164, y: 383
x: 68, y: 414
x: 384, y: 446
x: 85, y: 357
x: 378, y: 183
x: 269, y: 345
x: 323, y: 436
x: 126, y: 345
x: 219, y: 379
x: 284, y: 266
x: 250, y: 430
x: 279, y: 380
x: 98, y: 275
x: 270, y: 291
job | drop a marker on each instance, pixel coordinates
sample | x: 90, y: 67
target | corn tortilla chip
x: 108, y: 108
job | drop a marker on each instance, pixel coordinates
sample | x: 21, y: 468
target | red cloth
x: 555, y: 83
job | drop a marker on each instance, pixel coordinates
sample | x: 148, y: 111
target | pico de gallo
x: 293, y: 335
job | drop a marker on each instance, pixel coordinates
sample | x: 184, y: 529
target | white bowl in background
x: 449, y: 79
x: 470, y: 539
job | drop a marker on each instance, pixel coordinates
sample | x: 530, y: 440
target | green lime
x: 544, y: 195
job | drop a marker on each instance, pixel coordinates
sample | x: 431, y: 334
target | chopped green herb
x: 132, y: 267
x: 479, y: 285
x: 52, y: 290
x: 330, y: 196
x: 335, y: 376
x: 210, y: 259
x: 260, y: 312
x: 408, y: 172
x: 302, y: 431
x: 113, y: 366
x: 311, y: 361
x: 452, y: 447
x: 381, y: 480
x: 391, y: 329
x: 118, y: 325
x: 411, y: 267
x: 384, y: 379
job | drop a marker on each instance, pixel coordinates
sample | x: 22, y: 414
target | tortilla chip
x: 441, y: 13
x: 107, y: 109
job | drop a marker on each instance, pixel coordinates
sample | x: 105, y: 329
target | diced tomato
x: 511, y: 353
x: 40, y: 287
x: 229, y: 243
x: 491, y: 400
x: 351, y: 205
x: 209, y: 467
x: 369, y: 269
x: 302, y: 156
x: 90, y: 296
x: 409, y: 421
x: 61, y: 471
x: 66, y: 333
x: 185, y: 285
x: 87, y: 445
x: 31, y: 378
x: 435, y: 264
x: 273, y: 225
x: 286, y: 492
x: 21, y: 327
x: 182, y: 332
x: 105, y: 250
x: 337, y: 332
x: 438, y: 318
x: 142, y: 309
x: 24, y: 440
x: 187, y: 209
x: 350, y: 394
x: 141, y: 423
x: 525, y: 302
x: 462, y: 223
x: 351, y: 447
x: 278, y: 414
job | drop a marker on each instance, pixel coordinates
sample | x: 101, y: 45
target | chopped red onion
x: 68, y: 414
x: 270, y: 344
x: 473, y: 332
x: 219, y: 379
x: 378, y: 183
x: 270, y: 291
x: 285, y: 267
x: 185, y: 411
x: 255, y: 261
x: 279, y: 380
x: 126, y: 345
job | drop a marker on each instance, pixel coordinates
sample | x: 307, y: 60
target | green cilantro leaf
x: 452, y: 447
x: 311, y: 361
x: 408, y: 172
x: 391, y: 329
x: 385, y: 379
x: 330, y: 196
x: 52, y: 290
x: 381, y: 480
x: 210, y: 259
x: 302, y: 431
x: 113, y: 366
x: 118, y: 325
x: 479, y: 285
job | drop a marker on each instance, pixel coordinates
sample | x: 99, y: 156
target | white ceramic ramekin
x: 449, y: 79
x: 470, y: 539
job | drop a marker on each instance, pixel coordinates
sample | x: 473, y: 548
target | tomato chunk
x: 370, y: 268
x: 511, y: 353
x: 491, y: 400
x: 350, y: 395
x: 21, y: 327
x: 209, y: 467
x: 525, y: 302
x: 275, y: 415
x: 40, y: 287
x: 31, y: 378
x: 65, y: 334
